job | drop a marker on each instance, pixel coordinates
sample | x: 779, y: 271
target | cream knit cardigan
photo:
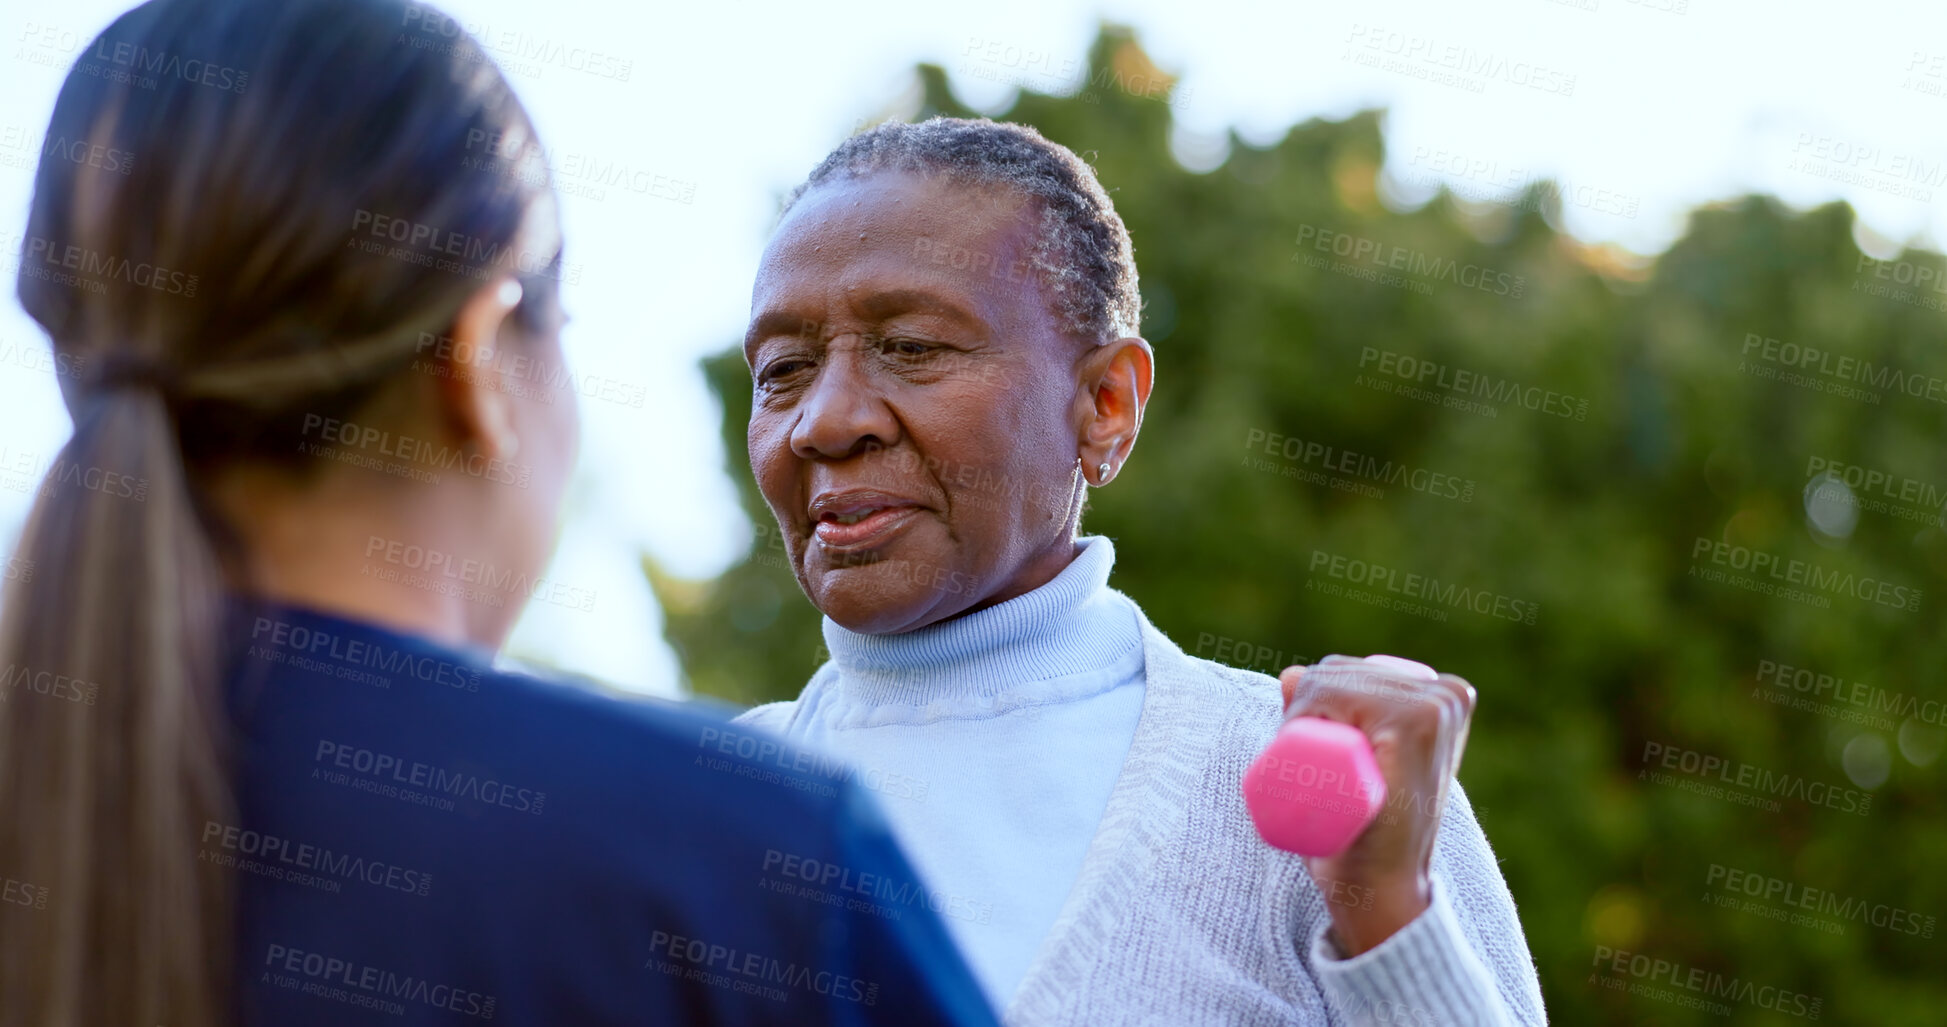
x: 1183, y: 916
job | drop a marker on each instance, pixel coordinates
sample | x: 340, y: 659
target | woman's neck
x: 342, y: 546
x: 1044, y: 639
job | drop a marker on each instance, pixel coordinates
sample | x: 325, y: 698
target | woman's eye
x: 907, y: 347
x: 780, y: 369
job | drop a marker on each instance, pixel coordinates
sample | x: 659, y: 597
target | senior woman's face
x: 914, y: 416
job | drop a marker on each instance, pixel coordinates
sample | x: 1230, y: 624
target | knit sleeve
x: 1462, y: 962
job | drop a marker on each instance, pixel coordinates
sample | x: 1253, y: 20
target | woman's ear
x: 478, y: 406
x: 1116, y: 377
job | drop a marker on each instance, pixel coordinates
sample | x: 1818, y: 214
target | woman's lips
x: 869, y: 530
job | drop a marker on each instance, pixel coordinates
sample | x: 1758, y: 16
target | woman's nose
x: 843, y: 412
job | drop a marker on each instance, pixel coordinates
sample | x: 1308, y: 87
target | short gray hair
x: 1082, y: 256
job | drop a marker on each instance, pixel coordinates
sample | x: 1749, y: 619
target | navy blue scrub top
x: 421, y: 839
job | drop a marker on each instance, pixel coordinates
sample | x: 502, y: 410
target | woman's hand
x: 1418, y: 729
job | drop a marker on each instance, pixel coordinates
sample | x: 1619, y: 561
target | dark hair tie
x: 123, y: 371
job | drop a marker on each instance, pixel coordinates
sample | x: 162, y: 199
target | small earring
x: 1102, y: 472
x: 508, y: 443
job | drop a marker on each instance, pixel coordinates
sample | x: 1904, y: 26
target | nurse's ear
x: 477, y: 403
x: 1112, y: 387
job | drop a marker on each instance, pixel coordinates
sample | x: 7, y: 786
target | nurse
x: 297, y: 516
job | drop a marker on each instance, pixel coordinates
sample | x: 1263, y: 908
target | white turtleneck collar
x: 1049, y: 645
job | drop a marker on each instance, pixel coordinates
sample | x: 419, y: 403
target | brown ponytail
x: 209, y: 297
x: 110, y: 758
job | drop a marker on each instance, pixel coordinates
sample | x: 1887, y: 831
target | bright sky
x: 1641, y: 108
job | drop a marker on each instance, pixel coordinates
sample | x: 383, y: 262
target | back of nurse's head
x: 275, y: 246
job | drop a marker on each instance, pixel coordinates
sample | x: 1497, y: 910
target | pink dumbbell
x: 1314, y: 789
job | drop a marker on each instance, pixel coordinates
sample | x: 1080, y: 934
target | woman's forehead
x: 902, y: 233
x: 867, y: 213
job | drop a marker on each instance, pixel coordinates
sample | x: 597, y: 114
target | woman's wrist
x: 1359, y: 927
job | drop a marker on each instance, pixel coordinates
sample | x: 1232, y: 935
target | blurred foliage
x: 1594, y: 520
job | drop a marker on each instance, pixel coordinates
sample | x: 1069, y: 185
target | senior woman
x: 945, y: 356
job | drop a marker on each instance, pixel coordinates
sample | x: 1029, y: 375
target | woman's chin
x: 857, y: 602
